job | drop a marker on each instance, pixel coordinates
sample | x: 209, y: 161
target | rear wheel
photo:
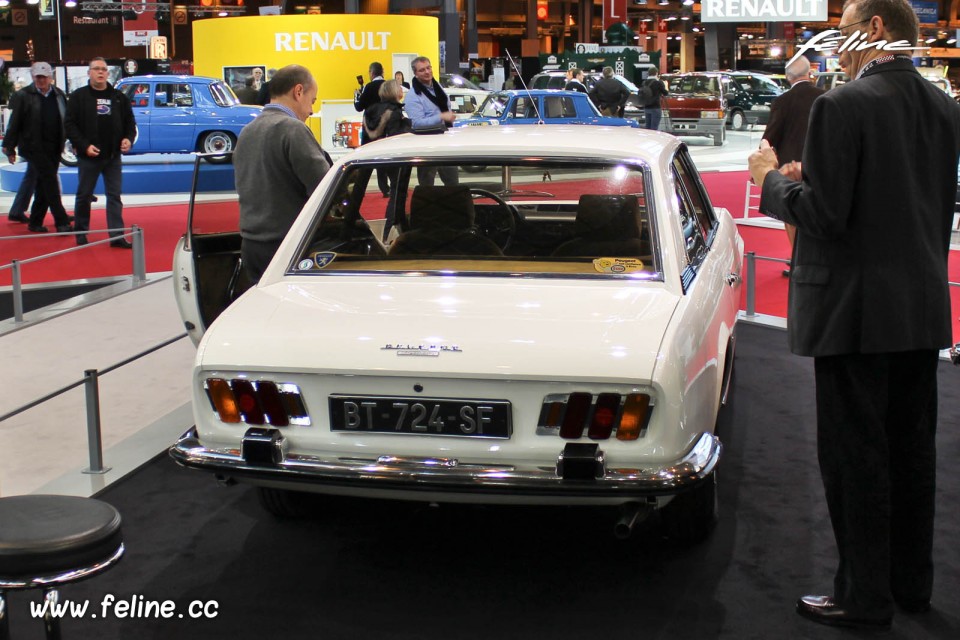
x: 691, y: 517
x: 218, y: 142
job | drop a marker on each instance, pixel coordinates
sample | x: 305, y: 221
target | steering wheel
x: 502, y: 227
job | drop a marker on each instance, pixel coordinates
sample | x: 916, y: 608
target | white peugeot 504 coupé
x: 554, y: 326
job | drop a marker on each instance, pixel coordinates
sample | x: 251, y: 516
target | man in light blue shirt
x: 429, y: 108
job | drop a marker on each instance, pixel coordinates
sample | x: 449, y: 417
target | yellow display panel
x: 336, y: 48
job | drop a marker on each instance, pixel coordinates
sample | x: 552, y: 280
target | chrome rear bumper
x: 430, y: 475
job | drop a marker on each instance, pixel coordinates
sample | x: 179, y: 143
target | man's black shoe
x: 121, y: 243
x: 70, y: 218
x: 18, y: 217
x: 82, y: 240
x: 914, y: 606
x: 822, y: 609
x: 63, y: 228
x: 36, y: 228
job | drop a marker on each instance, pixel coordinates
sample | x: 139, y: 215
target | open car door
x: 206, y: 262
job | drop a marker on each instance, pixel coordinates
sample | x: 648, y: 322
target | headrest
x: 436, y: 207
x: 610, y: 216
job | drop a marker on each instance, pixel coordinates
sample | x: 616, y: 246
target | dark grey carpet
x: 403, y: 571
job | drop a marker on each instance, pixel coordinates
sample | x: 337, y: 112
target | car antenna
x: 536, y: 107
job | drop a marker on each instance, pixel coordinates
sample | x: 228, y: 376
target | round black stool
x: 46, y: 541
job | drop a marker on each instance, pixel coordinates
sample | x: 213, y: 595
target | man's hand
x: 125, y: 145
x: 792, y: 170
x: 761, y: 162
x: 448, y: 117
x: 11, y: 156
x: 93, y: 151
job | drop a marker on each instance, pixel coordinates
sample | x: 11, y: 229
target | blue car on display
x: 182, y: 114
x: 542, y: 106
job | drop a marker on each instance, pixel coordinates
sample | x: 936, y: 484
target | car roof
x: 169, y: 77
x: 582, y: 142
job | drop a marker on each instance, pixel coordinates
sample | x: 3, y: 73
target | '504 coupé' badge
x: 429, y: 350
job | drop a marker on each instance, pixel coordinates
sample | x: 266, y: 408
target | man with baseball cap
x: 36, y: 129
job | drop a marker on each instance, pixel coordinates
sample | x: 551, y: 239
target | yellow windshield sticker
x: 618, y: 265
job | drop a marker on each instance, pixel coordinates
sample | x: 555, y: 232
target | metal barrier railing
x: 750, y: 258
x: 139, y: 260
x: 91, y: 382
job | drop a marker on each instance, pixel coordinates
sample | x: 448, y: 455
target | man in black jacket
x: 652, y: 110
x: 609, y: 94
x: 789, y: 114
x: 37, y: 129
x: 101, y: 126
x: 869, y: 301
x: 366, y: 97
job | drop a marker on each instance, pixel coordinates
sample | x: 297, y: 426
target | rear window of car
x: 694, y: 84
x: 534, y: 217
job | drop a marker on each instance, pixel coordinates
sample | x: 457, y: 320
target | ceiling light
x: 33, y: 1
x: 952, y: 41
x: 928, y: 41
x: 70, y: 3
x: 687, y: 3
x: 4, y: 3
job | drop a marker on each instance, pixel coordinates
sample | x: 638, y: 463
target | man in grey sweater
x: 277, y: 165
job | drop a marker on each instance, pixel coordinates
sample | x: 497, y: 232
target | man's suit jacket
x: 873, y: 220
x: 789, y: 114
x: 370, y: 94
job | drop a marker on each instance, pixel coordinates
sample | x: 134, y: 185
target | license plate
x: 685, y: 127
x: 426, y: 416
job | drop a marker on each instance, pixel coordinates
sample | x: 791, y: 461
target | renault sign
x: 763, y: 11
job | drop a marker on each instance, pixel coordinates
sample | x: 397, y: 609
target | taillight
x: 624, y: 415
x: 257, y: 402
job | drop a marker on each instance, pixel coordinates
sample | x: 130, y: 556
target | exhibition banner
x: 336, y: 48
x: 137, y: 32
x: 763, y: 11
x: 614, y: 11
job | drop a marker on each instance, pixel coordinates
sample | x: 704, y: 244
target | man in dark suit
x: 364, y: 98
x: 869, y: 300
x: 789, y: 114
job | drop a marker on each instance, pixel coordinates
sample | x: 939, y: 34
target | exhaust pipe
x: 631, y: 513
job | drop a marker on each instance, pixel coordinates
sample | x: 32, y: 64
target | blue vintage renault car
x: 182, y: 114
x: 543, y: 106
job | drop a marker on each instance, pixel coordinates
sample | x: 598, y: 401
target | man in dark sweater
x: 101, y: 126
x: 36, y: 127
x: 277, y: 165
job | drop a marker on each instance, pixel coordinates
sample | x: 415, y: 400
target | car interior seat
x: 441, y: 223
x: 606, y: 225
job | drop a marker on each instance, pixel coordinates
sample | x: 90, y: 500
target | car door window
x: 559, y: 107
x: 523, y: 107
x: 694, y: 235
x: 174, y: 95
x: 699, y: 202
x: 139, y: 94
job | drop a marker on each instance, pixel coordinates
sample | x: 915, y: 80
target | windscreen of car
x: 703, y: 85
x: 494, y: 105
x: 223, y: 95
x: 551, y: 218
x: 453, y: 80
x: 463, y: 104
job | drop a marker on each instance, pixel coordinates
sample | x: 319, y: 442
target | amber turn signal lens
x: 634, y: 416
x: 223, y: 400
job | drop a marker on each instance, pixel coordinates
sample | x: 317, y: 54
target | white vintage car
x: 556, y: 326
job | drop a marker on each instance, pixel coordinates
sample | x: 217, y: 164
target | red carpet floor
x: 164, y: 224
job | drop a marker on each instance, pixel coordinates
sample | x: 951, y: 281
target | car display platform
x: 147, y: 173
